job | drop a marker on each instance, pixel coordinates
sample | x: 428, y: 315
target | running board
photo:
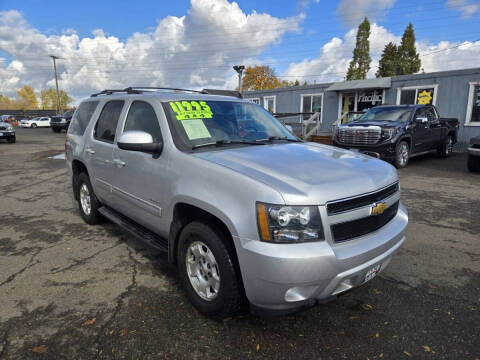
x: 135, y: 229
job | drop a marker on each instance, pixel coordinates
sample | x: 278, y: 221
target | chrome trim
x: 143, y: 204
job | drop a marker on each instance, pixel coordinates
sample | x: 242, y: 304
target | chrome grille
x: 359, y: 135
x: 3, y: 128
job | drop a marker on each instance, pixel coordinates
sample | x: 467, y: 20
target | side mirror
x: 134, y: 140
x: 421, y: 120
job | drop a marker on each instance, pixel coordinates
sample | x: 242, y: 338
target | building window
x: 311, y: 104
x: 255, y: 100
x: 473, y: 110
x: 417, y: 95
x: 368, y: 99
x: 269, y: 103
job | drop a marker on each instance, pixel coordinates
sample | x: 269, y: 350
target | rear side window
x: 82, y: 117
x: 141, y: 116
x: 107, y: 122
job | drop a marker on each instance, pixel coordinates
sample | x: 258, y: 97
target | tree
x: 27, y: 98
x: 408, y: 58
x: 388, y: 64
x: 49, y: 99
x: 260, y: 77
x: 360, y: 63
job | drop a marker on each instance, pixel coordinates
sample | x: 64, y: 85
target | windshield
x: 212, y: 122
x: 386, y: 114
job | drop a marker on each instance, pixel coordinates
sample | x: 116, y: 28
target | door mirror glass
x: 135, y: 140
x: 421, y: 120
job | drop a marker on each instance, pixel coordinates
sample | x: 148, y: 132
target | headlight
x: 63, y: 120
x: 10, y: 128
x: 388, y: 133
x: 289, y: 224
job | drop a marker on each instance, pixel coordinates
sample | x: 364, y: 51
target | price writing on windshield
x: 186, y: 110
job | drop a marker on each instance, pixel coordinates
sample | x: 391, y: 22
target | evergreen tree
x: 408, y: 58
x: 360, y: 63
x: 388, y: 64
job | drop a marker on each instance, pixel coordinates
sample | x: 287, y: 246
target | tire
x: 473, y: 163
x: 57, y: 130
x: 402, y: 155
x: 12, y: 140
x: 446, y: 147
x: 88, y: 203
x: 222, y: 283
x: 33, y: 126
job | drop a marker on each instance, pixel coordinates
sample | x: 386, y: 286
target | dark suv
x: 396, y: 133
x: 61, y: 122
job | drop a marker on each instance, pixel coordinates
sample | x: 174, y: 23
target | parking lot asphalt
x: 69, y: 290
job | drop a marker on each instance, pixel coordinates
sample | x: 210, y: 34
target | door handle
x: 119, y: 163
x: 90, y: 151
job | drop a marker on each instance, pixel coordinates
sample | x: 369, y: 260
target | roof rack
x: 140, y: 89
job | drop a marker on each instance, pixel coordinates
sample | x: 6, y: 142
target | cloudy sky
x: 195, y: 43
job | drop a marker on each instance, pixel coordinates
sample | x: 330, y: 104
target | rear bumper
x: 382, y: 151
x: 283, y: 278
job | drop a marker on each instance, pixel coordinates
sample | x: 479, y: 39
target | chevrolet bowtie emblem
x: 378, y: 208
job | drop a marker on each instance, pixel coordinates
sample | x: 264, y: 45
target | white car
x: 35, y: 122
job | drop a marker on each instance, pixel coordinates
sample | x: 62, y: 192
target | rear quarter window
x: 82, y: 117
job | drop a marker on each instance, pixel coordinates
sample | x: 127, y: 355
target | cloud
x: 303, y: 4
x: 352, y: 12
x: 334, y: 57
x: 195, y: 50
x: 466, y: 8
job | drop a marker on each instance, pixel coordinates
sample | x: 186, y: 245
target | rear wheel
x: 208, y: 270
x: 402, y: 154
x: 88, y: 203
x: 473, y: 163
x: 446, y: 147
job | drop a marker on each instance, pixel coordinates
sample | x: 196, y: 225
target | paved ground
x: 68, y: 290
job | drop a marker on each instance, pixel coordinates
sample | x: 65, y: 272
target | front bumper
x: 4, y: 134
x: 474, y: 151
x: 62, y: 126
x: 283, y: 278
x: 384, y: 151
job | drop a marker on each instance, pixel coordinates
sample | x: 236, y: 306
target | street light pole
x: 59, y: 109
x: 239, y: 69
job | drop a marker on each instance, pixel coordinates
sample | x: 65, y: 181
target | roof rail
x: 140, y: 89
x: 233, y: 93
x: 112, y: 91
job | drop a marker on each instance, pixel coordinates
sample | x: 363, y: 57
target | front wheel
x: 12, y: 140
x: 55, y: 129
x: 209, y: 271
x: 473, y: 163
x: 402, y: 154
x: 33, y: 126
x: 446, y: 147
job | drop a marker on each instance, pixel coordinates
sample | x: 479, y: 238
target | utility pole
x: 239, y: 69
x: 59, y: 108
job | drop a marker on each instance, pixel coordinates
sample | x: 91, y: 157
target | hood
x: 381, y: 123
x: 307, y: 173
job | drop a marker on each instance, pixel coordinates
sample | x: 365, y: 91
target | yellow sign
x: 378, y: 208
x: 186, y: 110
x: 424, y: 98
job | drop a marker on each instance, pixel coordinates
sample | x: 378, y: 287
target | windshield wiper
x: 274, y: 138
x: 219, y: 143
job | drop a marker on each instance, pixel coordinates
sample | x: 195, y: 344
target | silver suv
x: 245, y: 210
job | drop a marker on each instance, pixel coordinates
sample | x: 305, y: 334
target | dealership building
x: 456, y: 94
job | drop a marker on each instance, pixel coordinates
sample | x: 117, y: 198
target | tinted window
x: 407, y: 97
x: 82, y: 117
x: 107, y: 122
x: 141, y: 116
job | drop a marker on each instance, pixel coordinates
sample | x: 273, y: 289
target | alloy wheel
x: 85, y: 200
x: 403, y: 154
x: 202, y: 270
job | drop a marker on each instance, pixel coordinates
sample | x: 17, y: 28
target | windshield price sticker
x: 187, y: 110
